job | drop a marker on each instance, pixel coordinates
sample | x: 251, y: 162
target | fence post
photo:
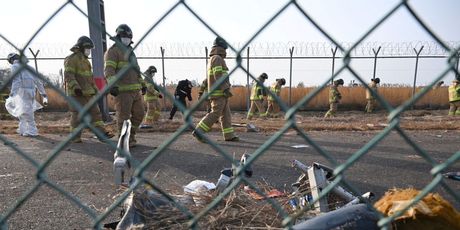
x: 206, y: 59
x: 96, y: 23
x: 163, y: 71
x: 416, y: 68
x: 333, y: 62
x: 291, y: 51
x: 35, y: 58
x: 457, y: 76
x: 248, y: 92
x: 375, y: 60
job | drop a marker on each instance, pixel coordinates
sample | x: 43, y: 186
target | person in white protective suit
x: 22, y: 96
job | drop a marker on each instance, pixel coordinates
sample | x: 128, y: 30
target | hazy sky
x: 237, y: 21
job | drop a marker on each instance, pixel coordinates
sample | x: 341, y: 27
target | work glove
x: 114, y: 91
x: 144, y: 90
x: 227, y: 93
x: 160, y: 96
x: 45, y: 100
x: 78, y: 92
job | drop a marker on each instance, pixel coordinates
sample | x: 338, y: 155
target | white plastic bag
x: 16, y: 105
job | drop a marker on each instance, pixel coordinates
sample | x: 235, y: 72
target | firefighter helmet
x: 263, y: 76
x: 151, y: 69
x: 220, y: 42
x: 282, y: 81
x: 11, y: 57
x: 339, y: 82
x: 123, y: 31
x: 84, y: 42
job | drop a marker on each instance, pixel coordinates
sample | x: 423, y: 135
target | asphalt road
x: 85, y: 170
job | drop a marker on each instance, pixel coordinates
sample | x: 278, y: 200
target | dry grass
x: 352, y: 98
x: 236, y: 211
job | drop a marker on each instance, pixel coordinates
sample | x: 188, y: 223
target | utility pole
x: 96, y: 20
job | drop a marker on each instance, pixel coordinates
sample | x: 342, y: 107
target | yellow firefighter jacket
x: 373, y: 86
x: 454, y: 93
x: 116, y: 59
x: 217, y: 68
x: 151, y: 94
x: 334, y: 94
x: 275, y: 89
x: 78, y: 74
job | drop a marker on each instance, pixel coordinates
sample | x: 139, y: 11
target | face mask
x: 126, y: 41
x: 87, y: 52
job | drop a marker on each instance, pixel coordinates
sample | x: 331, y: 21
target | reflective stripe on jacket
x: 151, y: 94
x: 257, y: 92
x: 373, y: 86
x: 454, y: 93
x: 334, y: 94
x: 217, y: 68
x: 275, y: 89
x: 78, y: 74
x: 115, y: 59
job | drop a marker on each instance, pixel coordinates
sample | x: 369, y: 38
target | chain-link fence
x: 290, y: 123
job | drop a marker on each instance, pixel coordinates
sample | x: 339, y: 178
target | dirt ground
x: 85, y: 170
x: 57, y: 122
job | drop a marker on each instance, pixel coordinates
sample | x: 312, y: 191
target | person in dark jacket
x: 183, y: 90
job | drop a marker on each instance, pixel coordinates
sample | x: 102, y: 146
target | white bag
x: 15, y: 105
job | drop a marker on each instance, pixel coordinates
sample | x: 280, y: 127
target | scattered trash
x: 144, y: 126
x: 142, y: 208
x: 379, y: 125
x: 300, y: 146
x: 452, y: 175
x: 438, y: 136
x: 274, y: 193
x: 239, y: 124
x: 312, y: 181
x: 252, y: 128
x: 199, y: 186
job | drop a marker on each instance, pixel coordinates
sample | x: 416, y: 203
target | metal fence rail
x: 290, y: 123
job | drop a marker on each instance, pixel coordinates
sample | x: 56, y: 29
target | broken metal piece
x: 358, y: 217
x: 452, y: 175
x: 317, y: 179
x: 366, y: 196
x: 120, y: 163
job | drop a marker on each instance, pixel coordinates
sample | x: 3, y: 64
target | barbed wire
x: 261, y: 49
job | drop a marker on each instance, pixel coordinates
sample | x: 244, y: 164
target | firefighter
x: 202, y: 90
x: 4, y: 115
x: 334, y: 97
x: 257, y: 97
x: 369, y: 97
x: 151, y: 97
x: 120, y: 59
x: 273, y: 109
x: 23, y: 91
x: 220, y: 109
x: 78, y: 76
x: 183, y: 90
x: 454, y: 98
